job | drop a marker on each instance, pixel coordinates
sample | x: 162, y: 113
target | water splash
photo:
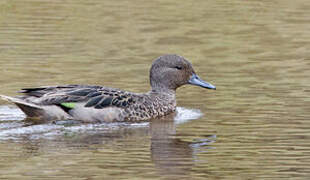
x: 184, y: 115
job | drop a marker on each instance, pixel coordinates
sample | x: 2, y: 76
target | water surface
x: 254, y: 126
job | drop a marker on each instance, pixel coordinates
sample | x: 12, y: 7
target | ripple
x: 13, y: 126
x: 8, y: 113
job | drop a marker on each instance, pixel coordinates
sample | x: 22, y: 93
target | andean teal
x: 103, y: 104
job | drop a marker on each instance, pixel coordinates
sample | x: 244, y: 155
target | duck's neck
x: 166, y: 95
x: 164, y: 91
x: 165, y: 100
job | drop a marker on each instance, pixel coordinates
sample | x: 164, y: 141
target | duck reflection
x: 170, y: 155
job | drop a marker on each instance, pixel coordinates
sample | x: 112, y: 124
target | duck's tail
x: 30, y: 109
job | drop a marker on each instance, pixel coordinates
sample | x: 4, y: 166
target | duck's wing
x: 67, y: 96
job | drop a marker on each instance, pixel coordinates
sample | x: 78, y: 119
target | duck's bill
x: 195, y: 80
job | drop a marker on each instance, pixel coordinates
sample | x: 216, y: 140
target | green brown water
x: 254, y: 126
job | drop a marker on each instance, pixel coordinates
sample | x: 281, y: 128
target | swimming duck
x: 104, y: 104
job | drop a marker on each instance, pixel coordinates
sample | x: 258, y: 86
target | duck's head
x: 171, y: 71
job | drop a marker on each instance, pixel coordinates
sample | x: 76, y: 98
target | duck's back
x: 97, y: 103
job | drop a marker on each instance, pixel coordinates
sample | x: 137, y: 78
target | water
x: 254, y: 126
x: 14, y: 125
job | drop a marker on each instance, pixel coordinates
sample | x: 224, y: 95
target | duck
x: 93, y: 103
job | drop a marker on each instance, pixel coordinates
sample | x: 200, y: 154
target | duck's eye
x: 178, y: 67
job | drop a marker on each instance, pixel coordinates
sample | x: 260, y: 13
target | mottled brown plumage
x: 104, y: 104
